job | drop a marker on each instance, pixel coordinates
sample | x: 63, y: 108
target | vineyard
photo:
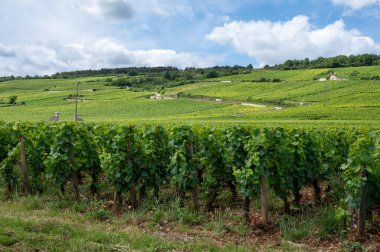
x: 302, y: 99
x: 340, y: 165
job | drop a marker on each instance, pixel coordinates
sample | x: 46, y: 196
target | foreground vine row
x: 249, y: 160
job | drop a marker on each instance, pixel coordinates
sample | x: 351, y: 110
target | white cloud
x: 274, y: 42
x: 172, y: 58
x: 165, y: 8
x: 356, y: 4
x: 109, y: 10
x: 41, y: 59
x: 5, y: 51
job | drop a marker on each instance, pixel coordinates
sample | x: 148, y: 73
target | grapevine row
x: 248, y: 160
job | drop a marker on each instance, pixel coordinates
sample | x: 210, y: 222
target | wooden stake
x: 195, y: 198
x: 24, y: 168
x: 232, y: 186
x: 133, y: 198
x: 264, y: 201
x: 182, y: 196
x: 362, y: 208
x: 317, y: 192
x: 246, y: 210
x: 117, y: 202
x: 194, y: 192
x: 75, y: 182
x: 212, y: 193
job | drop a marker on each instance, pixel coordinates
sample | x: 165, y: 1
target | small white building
x: 253, y: 105
x: 160, y: 97
x: 156, y: 97
x: 55, y: 117
x: 332, y: 78
x: 336, y: 78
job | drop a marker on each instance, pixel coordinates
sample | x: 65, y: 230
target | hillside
x: 277, y: 96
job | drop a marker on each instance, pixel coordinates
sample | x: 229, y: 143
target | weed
x: 295, y: 230
x: 100, y: 214
x: 220, y: 219
x: 7, y: 241
x: 60, y: 204
x: 329, y: 223
x: 241, y: 229
x: 80, y: 207
x: 286, y: 246
x: 32, y: 202
x: 352, y: 246
x: 188, y: 216
x: 157, y: 217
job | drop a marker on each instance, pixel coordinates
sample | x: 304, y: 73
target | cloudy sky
x: 39, y: 37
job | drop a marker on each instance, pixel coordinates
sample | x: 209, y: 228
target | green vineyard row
x: 249, y: 160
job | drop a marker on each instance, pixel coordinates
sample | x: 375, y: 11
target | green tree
x: 212, y: 74
x: 12, y: 99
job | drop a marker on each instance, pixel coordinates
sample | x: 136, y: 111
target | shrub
x: 212, y: 74
x: 12, y: 99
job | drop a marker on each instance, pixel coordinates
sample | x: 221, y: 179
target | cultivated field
x: 297, y: 98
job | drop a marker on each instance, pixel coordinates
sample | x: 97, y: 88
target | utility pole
x: 76, y: 104
x: 325, y: 100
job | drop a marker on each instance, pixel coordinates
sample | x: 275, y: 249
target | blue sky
x: 40, y: 37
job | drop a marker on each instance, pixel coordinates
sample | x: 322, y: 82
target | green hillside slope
x: 267, y: 96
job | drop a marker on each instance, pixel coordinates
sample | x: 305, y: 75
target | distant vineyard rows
x: 249, y: 160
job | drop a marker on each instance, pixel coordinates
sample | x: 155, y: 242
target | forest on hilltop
x: 332, y: 62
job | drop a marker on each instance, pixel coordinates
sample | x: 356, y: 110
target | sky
x: 42, y: 37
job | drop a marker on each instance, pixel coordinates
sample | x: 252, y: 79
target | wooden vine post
x: 246, y: 210
x: 212, y: 194
x: 132, y: 191
x: 264, y: 201
x: 362, y: 206
x: 75, y: 179
x: 24, y: 168
x: 194, y: 192
x: 93, y: 187
x: 133, y: 198
x: 232, y: 186
x: 75, y: 182
x: 195, y: 198
x: 117, y: 202
x: 317, y: 192
x: 74, y: 175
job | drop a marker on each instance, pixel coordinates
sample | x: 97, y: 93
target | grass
x: 312, y: 224
x: 295, y: 229
x: 50, y: 222
x: 304, y: 100
x: 46, y: 229
x: 52, y: 235
x: 328, y: 223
